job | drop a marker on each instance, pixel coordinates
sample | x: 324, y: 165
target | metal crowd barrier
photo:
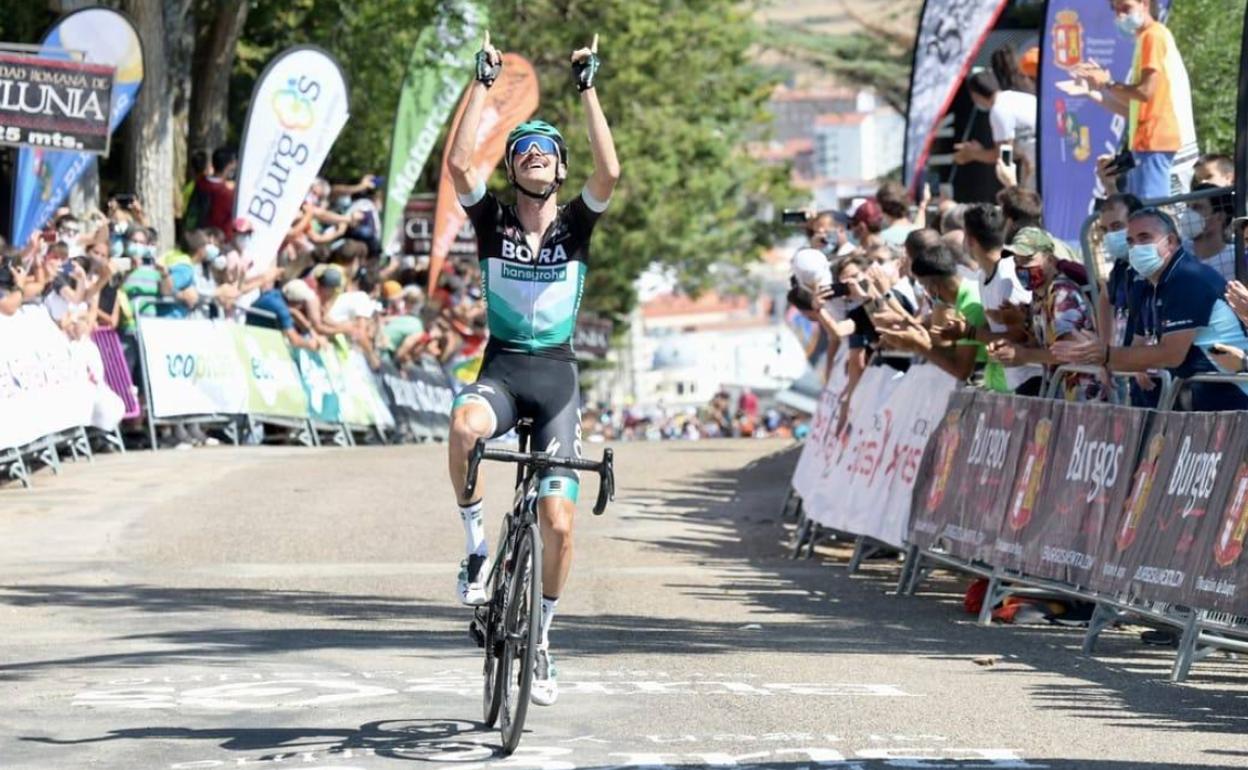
x: 1203, y: 632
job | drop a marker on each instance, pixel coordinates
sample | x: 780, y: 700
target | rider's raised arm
x: 606, y: 165
x: 489, y: 63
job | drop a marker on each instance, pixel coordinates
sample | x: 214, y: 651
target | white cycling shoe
x: 545, y: 690
x: 470, y: 587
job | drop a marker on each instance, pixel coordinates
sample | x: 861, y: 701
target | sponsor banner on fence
x: 1087, y: 478
x: 44, y: 386
x: 866, y: 474
x: 987, y: 458
x: 508, y: 103
x: 193, y: 367
x: 298, y: 108
x: 274, y: 387
x: 419, y: 395
x: 46, y: 175
x: 219, y: 367
x: 950, y: 34
x: 436, y: 74
x: 1181, y: 533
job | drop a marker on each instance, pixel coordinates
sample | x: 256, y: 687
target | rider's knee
x: 471, y: 421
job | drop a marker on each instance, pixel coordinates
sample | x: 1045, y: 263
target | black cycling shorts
x: 547, y: 391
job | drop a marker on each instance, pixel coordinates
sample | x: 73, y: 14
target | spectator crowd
x: 984, y: 292
x: 330, y: 284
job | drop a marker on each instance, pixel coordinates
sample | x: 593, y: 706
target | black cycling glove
x: 487, y: 72
x: 583, y: 71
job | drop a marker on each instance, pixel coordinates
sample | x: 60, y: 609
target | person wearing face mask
x: 1125, y: 290
x: 826, y: 232
x: 1059, y: 311
x: 1156, y: 100
x: 955, y: 301
x: 1196, y: 331
x: 149, y: 280
x: 1204, y: 227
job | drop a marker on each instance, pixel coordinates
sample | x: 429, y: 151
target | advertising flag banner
x: 1075, y: 129
x: 298, y: 108
x: 93, y: 37
x: 511, y: 100
x: 440, y: 66
x: 950, y: 35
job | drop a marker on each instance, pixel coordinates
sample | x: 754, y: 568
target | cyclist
x: 534, y: 255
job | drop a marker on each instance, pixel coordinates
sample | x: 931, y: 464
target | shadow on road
x: 737, y: 512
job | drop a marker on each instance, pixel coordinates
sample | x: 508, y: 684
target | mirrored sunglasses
x: 544, y: 145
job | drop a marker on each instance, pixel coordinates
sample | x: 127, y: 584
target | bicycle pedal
x: 478, y: 635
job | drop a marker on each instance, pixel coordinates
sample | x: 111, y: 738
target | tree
x: 875, y: 54
x: 221, y: 23
x: 683, y: 95
x: 150, y: 128
x: 1208, y: 33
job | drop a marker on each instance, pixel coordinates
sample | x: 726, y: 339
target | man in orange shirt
x: 1156, y: 101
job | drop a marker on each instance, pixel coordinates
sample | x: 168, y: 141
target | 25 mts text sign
x: 55, y: 103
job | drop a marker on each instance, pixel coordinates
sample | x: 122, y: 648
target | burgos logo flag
x: 45, y: 177
x: 298, y: 108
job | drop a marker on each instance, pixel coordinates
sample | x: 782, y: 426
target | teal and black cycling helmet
x: 537, y: 128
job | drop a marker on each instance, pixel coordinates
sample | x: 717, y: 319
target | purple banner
x: 1074, y: 129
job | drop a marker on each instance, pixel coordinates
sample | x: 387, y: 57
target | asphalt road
x: 293, y: 608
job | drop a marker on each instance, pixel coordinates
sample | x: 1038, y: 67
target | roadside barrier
x: 238, y: 377
x: 1142, y: 512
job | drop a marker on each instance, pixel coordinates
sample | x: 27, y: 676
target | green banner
x: 440, y: 66
x: 274, y: 386
x: 318, y: 385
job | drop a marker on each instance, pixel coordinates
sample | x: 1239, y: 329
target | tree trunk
x: 149, y: 134
x: 214, y: 60
x: 179, y: 52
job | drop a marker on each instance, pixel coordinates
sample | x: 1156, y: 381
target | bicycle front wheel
x: 522, y: 628
x: 495, y: 670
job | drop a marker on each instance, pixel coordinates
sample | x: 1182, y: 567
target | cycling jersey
x: 532, y: 300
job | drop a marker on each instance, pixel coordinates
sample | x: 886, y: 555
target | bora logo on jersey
x: 522, y: 253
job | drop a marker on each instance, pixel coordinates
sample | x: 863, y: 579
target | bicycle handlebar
x: 541, y: 461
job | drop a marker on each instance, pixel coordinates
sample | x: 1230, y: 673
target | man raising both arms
x: 534, y: 256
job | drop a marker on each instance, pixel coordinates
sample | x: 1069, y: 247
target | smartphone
x: 839, y: 289
x: 124, y: 200
x: 1007, y: 154
x: 794, y: 216
x: 933, y: 184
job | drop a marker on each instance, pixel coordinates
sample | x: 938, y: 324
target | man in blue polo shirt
x: 1190, y: 312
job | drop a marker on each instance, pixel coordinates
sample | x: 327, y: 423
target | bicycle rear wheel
x: 522, y: 632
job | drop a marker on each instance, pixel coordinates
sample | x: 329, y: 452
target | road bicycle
x: 508, y: 625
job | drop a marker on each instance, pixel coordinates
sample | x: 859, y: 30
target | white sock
x: 474, y: 528
x: 548, y: 614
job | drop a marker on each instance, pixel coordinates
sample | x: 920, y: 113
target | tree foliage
x: 680, y: 111
x: 1208, y: 33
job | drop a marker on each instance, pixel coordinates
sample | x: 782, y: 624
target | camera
x: 124, y: 200
x: 1007, y: 154
x: 795, y: 216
